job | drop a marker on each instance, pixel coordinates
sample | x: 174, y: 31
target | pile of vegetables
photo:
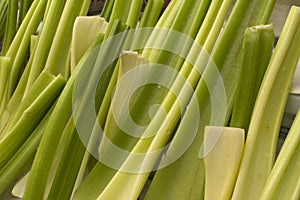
x: 177, y: 99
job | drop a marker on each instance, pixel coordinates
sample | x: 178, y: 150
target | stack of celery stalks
x: 180, y: 99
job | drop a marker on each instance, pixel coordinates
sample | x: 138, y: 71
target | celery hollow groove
x: 89, y: 81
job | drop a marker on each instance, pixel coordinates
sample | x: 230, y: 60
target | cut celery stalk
x: 29, y: 119
x: 223, y: 148
x: 261, y: 142
x: 38, y: 178
x: 257, y: 50
x: 82, y: 39
x: 17, y: 163
x: 45, y: 40
x: 189, y: 169
x: 284, y: 180
x: 18, y: 48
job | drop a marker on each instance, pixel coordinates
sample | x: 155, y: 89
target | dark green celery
x: 188, y: 181
x: 24, y: 6
x: 257, y: 50
x: 11, y: 25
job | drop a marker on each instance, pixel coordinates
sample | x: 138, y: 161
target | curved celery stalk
x: 15, y: 166
x: 260, y: 148
x: 106, y: 11
x: 29, y: 119
x: 222, y: 160
x: 37, y: 181
x: 189, y: 169
x: 257, y: 50
x: 24, y: 5
x: 284, y: 180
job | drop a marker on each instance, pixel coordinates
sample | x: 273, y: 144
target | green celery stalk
x: 45, y: 41
x: 260, y: 149
x: 135, y: 181
x: 257, y: 50
x: 3, y: 14
x: 222, y: 160
x: 106, y: 11
x: 17, y: 163
x: 11, y: 25
x: 69, y: 165
x: 41, y: 84
x: 38, y: 178
x: 284, y: 180
x: 189, y: 169
x: 19, y: 46
x: 24, y: 6
x: 4, y: 62
x: 151, y: 13
x: 29, y: 120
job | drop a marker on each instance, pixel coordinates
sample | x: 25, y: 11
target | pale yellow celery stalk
x: 84, y: 31
x: 223, y: 150
x: 284, y: 180
x: 261, y: 142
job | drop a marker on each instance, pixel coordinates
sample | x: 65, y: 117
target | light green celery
x: 189, y: 169
x: 41, y: 84
x: 85, y: 7
x: 11, y: 25
x: 33, y: 42
x: 19, y: 46
x: 134, y: 13
x: 29, y: 120
x: 82, y: 39
x: 38, y: 178
x: 223, y: 149
x: 17, y: 163
x: 260, y: 149
x: 24, y: 6
x: 58, y: 54
x: 4, y: 62
x: 8, y: 109
x: 257, y: 50
x: 121, y: 11
x: 106, y: 11
x: 45, y: 41
x: 284, y: 180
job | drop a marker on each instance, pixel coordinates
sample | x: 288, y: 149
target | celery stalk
x: 261, y: 142
x: 24, y: 6
x: 284, y: 180
x: 81, y: 40
x: 151, y: 13
x: 189, y: 169
x: 11, y: 25
x: 45, y: 40
x: 29, y: 119
x: 257, y: 49
x: 3, y: 14
x: 106, y: 11
x: 222, y: 160
x: 15, y: 166
x: 18, y: 48
x: 37, y: 180
x: 4, y: 62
